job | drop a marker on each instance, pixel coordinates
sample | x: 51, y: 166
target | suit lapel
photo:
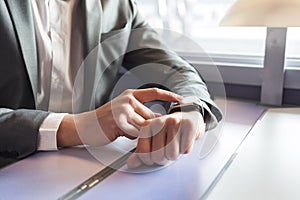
x: 23, y: 22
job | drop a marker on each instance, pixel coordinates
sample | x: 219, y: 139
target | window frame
x: 241, y: 72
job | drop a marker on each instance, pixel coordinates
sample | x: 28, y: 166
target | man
x: 42, y: 46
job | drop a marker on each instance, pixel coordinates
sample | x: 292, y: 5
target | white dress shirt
x: 53, y: 29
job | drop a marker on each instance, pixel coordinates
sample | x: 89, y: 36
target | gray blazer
x: 19, y: 120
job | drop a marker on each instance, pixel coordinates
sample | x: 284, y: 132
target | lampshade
x: 270, y: 13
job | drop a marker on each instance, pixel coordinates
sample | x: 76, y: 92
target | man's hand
x: 160, y: 138
x: 166, y: 137
x: 123, y: 116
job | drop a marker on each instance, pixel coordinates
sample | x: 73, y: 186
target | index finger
x: 151, y: 94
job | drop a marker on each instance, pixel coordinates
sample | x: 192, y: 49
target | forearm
x: 169, y: 70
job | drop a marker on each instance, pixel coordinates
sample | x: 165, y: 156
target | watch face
x: 157, y: 106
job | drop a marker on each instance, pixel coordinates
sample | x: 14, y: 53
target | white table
x: 49, y: 175
x: 268, y: 163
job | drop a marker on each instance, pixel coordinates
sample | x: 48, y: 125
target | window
x: 293, y: 48
x: 229, y: 47
x: 292, y: 67
x: 199, y: 20
x: 238, y: 52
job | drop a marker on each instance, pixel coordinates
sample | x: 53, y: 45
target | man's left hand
x: 165, y: 138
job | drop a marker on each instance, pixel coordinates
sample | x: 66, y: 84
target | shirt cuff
x: 209, y: 119
x: 48, y: 130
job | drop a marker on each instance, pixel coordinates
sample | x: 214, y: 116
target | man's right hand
x: 123, y: 116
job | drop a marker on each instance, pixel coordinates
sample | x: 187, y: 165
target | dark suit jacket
x: 20, y: 121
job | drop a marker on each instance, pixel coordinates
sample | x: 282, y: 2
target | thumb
x: 157, y: 115
x: 134, y: 161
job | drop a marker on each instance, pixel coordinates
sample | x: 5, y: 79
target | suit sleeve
x: 145, y: 48
x: 18, y: 133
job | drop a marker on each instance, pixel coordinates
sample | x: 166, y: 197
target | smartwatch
x: 185, y: 107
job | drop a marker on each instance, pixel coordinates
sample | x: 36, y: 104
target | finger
x: 143, y: 148
x: 126, y: 127
x: 198, y: 120
x: 136, y: 120
x: 158, y: 145
x: 157, y: 115
x: 200, y: 130
x: 134, y: 161
x: 187, y: 130
x: 151, y: 94
x: 173, y: 140
x: 141, y: 109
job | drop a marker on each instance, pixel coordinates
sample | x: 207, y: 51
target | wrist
x: 67, y: 134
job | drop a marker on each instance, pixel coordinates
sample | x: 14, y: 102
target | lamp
x: 277, y: 15
x: 270, y: 13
